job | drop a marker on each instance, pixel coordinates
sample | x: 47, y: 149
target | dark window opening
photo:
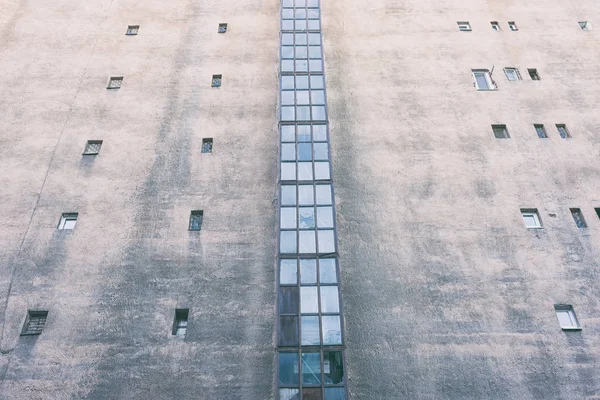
x: 216, y: 80
x: 578, y: 217
x: 222, y: 28
x: 181, y: 322
x: 92, y: 147
x: 132, y: 30
x: 67, y: 221
x: 34, y: 324
x: 500, y: 132
x: 541, y: 131
x: 562, y: 131
x: 533, y: 73
x: 207, y: 145
x: 597, y: 212
x: 196, y: 220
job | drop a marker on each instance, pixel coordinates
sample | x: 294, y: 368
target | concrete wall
x: 111, y: 286
x: 446, y: 294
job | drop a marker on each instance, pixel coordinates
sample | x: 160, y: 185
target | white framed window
x: 483, y: 79
x: 585, y: 26
x: 67, y: 221
x: 495, y: 26
x: 512, y: 74
x: 464, y: 26
x: 566, y: 317
x: 513, y: 26
x: 531, y: 218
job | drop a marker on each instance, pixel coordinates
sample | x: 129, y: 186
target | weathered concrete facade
x: 446, y: 294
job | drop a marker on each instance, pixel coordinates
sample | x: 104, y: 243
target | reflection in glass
x: 307, y: 217
x: 333, y: 367
x: 289, y: 394
x: 332, y: 331
x: 338, y: 393
x: 304, y: 133
x: 305, y: 151
x: 287, y: 133
x: 311, y: 369
x: 308, y: 271
x: 320, y: 133
x: 326, y: 242
x: 325, y: 217
x: 288, y: 195
x: 288, y: 368
x: 305, y: 171
x: 287, y: 113
x: 330, y: 299
x: 318, y: 113
x: 311, y: 394
x: 310, y: 331
x: 323, y: 194
x: 287, y: 242
x: 309, y: 303
x: 306, y: 195
x: 288, y: 152
x: 303, y: 113
x: 288, y: 275
x: 288, y: 218
x: 322, y: 171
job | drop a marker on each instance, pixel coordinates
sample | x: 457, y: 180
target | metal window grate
x: 92, y: 147
x: 115, y: 82
x: 34, y: 324
x: 216, y: 80
x: 207, y: 145
x: 196, y: 217
x: 132, y: 30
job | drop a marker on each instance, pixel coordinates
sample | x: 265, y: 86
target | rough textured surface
x: 446, y: 294
x: 111, y: 286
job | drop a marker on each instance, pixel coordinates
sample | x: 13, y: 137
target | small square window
x: 34, y: 324
x: 566, y: 317
x: 512, y: 74
x: 222, y: 28
x: 196, y: 220
x: 531, y: 218
x: 597, y: 212
x: 483, y: 79
x: 92, y: 147
x: 585, y: 26
x: 216, y: 80
x: 181, y: 322
x: 533, y: 73
x: 500, y: 132
x: 513, y: 26
x: 207, y: 145
x: 464, y: 26
x: 132, y: 30
x: 562, y: 131
x: 541, y: 131
x: 67, y: 221
x: 115, y: 82
x: 495, y: 26
x: 578, y: 217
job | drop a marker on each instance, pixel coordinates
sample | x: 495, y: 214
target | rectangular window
x: 566, y: 317
x: 207, y: 145
x: 562, y: 131
x: 181, y: 322
x: 533, y: 73
x: 500, y: 132
x: 222, y: 28
x: 216, y: 80
x: 34, y: 324
x: 584, y: 25
x: 541, y: 131
x: 512, y: 74
x: 483, y: 79
x: 92, y: 147
x: 531, y: 218
x: 115, y: 82
x: 196, y: 220
x: 513, y: 26
x: 578, y: 217
x: 597, y: 212
x: 495, y: 26
x: 67, y: 221
x: 132, y: 30
x: 464, y: 26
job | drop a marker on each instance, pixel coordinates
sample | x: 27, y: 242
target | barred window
x: 92, y: 147
x: 196, y: 220
x: 34, y: 324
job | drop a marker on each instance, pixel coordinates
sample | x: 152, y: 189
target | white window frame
x: 488, y: 78
x: 565, y: 309
x: 513, y: 70
x: 531, y: 213
x: 464, y: 24
x: 512, y: 25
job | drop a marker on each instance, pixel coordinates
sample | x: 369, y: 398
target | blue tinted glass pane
x: 315, y: 66
x: 335, y: 394
x: 320, y: 133
x: 306, y: 218
x: 329, y: 299
x: 325, y: 217
x: 288, y: 368
x: 311, y: 368
x: 287, y: 243
x: 288, y: 152
x: 287, y: 25
x: 332, y: 332
x: 327, y: 273
x: 316, y: 81
x: 287, y: 66
x: 333, y: 367
x: 326, y: 242
x: 287, y: 133
x: 323, y: 194
x: 321, y: 151
x: 304, y: 133
x: 287, y: 38
x: 288, y: 274
x: 287, y: 51
x: 308, y: 271
x: 310, y: 331
x: 301, y: 66
x: 302, y: 82
x: 301, y: 38
x: 301, y: 52
x: 288, y: 195
x: 304, y: 152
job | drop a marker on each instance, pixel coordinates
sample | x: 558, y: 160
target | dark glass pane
x: 333, y: 367
x: 335, y: 394
x: 288, y: 300
x: 288, y: 331
x: 311, y: 394
x: 304, y: 152
x: 288, y: 368
x: 311, y: 368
